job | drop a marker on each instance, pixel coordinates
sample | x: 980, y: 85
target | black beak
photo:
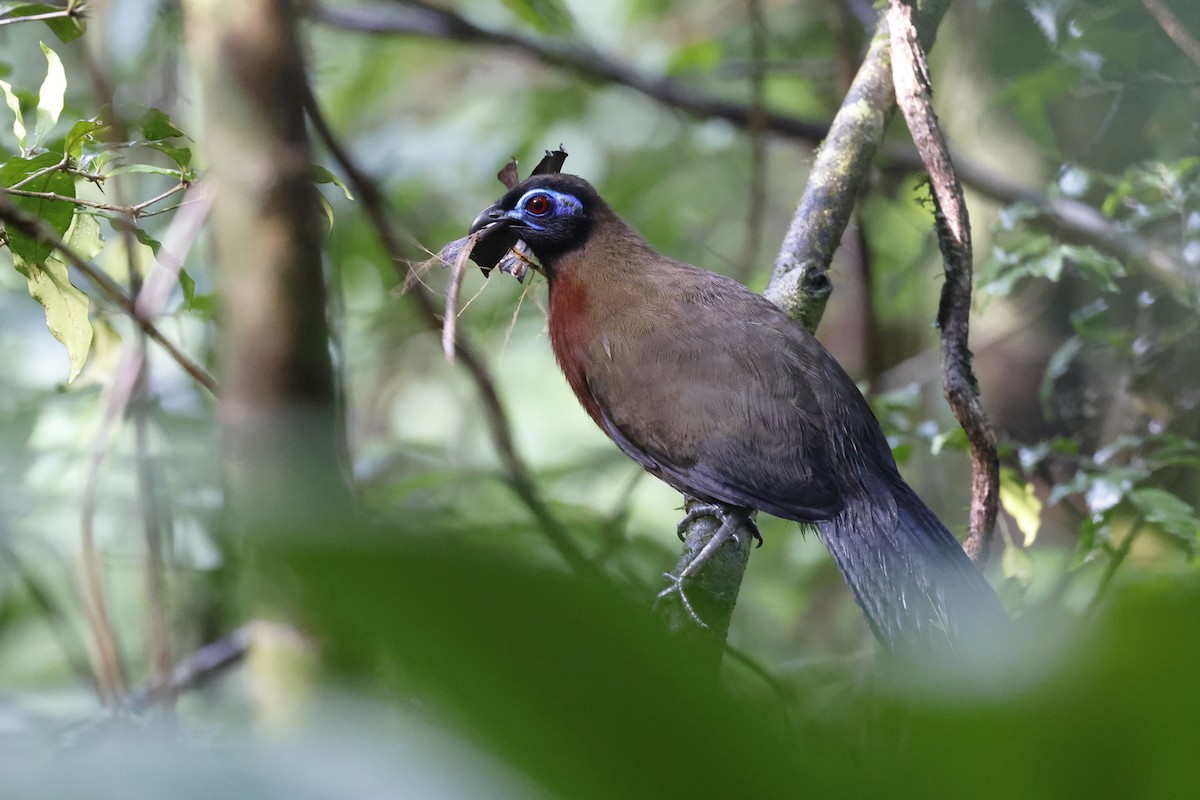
x: 494, y: 240
x: 487, y: 217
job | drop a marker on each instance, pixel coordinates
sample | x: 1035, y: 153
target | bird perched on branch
x: 713, y: 389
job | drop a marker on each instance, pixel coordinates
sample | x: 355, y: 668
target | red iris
x: 539, y: 205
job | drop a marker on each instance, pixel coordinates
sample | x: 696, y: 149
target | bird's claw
x: 719, y: 513
x: 677, y: 586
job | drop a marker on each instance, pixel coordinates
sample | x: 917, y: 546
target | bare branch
x: 911, y: 75
x: 130, y: 211
x: 1174, y: 28
x: 66, y: 12
x: 212, y: 660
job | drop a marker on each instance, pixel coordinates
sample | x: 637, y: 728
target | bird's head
x: 552, y: 214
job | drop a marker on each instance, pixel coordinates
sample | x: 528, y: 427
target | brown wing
x: 723, y: 396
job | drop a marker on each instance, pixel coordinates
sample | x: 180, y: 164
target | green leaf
x: 145, y: 238
x: 326, y: 209
x: 701, y: 56
x: 323, y: 175
x: 188, y: 284
x: 1022, y: 503
x: 84, y: 236
x: 65, y: 305
x: 14, y: 105
x: 1058, y: 365
x: 1016, y: 563
x: 546, y: 16
x: 55, y: 213
x: 1168, y: 511
x: 953, y: 439
x: 1093, y: 265
x: 50, y: 96
x: 81, y: 133
x: 180, y: 155
x: 156, y: 126
x: 66, y: 309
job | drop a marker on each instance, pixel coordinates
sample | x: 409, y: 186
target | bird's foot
x: 677, y: 586
x: 720, y: 514
x: 731, y: 520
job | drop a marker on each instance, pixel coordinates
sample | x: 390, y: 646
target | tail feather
x: 908, y: 574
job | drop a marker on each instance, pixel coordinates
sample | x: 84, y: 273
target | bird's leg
x: 731, y: 519
x: 699, y: 509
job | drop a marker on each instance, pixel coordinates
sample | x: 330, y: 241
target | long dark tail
x: 910, y: 576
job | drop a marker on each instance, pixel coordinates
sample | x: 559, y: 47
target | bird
x: 716, y: 391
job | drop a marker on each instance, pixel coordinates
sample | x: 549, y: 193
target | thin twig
x: 130, y: 211
x: 516, y: 472
x: 33, y: 176
x: 757, y: 204
x: 34, y: 228
x: 911, y: 75
x: 1175, y: 29
x: 208, y: 662
x: 1116, y: 560
x: 66, y: 12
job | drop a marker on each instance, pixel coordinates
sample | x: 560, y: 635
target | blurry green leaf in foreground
x: 583, y: 692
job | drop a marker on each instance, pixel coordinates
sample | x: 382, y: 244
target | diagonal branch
x: 1174, y: 28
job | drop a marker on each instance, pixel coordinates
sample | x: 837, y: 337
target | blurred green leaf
x: 700, y: 56
x: 1058, y: 365
x: 1168, y: 511
x: 546, y: 16
x: 1094, y: 266
x: 1022, y: 503
x: 1016, y: 564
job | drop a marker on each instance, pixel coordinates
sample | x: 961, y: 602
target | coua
x: 713, y: 389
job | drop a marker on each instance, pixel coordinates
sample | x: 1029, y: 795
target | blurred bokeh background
x: 434, y: 644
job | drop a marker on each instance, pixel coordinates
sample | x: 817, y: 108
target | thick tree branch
x: 279, y: 415
x: 911, y: 75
